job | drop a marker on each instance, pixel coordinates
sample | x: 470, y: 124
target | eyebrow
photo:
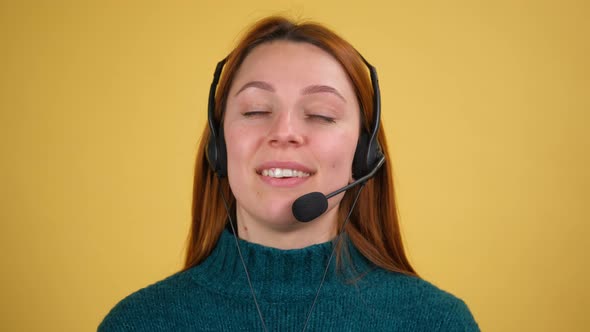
x: 322, y: 89
x: 306, y: 91
x: 256, y: 84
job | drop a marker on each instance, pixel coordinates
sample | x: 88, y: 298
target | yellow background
x: 486, y: 108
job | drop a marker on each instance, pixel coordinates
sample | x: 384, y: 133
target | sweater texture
x: 215, y: 296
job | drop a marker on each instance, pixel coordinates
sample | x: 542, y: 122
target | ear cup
x: 374, y: 154
x: 221, y: 154
x: 212, y: 151
x: 366, y: 155
x: 217, y: 152
x: 359, y: 163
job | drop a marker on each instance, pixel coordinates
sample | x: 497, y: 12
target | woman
x: 295, y: 112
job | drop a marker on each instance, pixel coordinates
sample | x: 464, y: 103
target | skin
x: 289, y: 103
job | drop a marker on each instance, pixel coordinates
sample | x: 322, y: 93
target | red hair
x: 373, y: 227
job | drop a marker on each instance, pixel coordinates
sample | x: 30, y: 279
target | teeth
x: 284, y: 173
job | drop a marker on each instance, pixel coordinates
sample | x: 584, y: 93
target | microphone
x: 312, y: 205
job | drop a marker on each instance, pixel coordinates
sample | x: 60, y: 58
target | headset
x: 368, y: 156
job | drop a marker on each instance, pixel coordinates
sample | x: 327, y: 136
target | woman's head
x: 293, y: 99
x: 291, y: 125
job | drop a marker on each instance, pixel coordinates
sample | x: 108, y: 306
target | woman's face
x: 291, y: 127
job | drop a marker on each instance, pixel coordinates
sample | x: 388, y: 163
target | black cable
x: 338, y: 240
x: 231, y: 222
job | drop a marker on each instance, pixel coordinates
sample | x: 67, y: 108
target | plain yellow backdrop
x: 485, y: 104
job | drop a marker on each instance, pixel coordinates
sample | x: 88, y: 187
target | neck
x: 293, y: 235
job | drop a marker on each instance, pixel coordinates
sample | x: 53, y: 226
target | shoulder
x: 151, y: 308
x: 424, y: 305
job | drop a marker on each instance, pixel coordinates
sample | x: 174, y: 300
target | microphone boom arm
x: 361, y: 180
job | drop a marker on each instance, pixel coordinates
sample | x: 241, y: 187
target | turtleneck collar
x: 274, y: 272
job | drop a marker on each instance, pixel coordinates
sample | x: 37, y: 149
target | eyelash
x: 255, y: 113
x: 321, y: 117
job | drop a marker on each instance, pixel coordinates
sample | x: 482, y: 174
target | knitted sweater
x: 215, y: 296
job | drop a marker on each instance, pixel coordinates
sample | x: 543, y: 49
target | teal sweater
x: 215, y: 296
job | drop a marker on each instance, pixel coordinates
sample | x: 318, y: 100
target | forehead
x: 293, y: 64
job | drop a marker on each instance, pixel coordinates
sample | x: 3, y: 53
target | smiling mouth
x: 284, y: 173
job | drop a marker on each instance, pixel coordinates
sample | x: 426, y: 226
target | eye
x: 320, y: 117
x: 254, y: 114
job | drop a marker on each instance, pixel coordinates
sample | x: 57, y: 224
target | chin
x: 271, y: 212
x: 279, y: 215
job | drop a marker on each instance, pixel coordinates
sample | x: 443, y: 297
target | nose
x: 285, y: 131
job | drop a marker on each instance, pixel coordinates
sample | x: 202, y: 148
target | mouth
x: 278, y: 173
x: 284, y: 173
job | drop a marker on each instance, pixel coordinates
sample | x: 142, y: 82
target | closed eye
x: 321, y: 118
x: 252, y: 114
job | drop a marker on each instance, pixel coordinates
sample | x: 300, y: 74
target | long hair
x: 373, y: 227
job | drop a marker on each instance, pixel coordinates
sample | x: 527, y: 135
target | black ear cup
x: 212, y: 152
x: 359, y: 163
x: 366, y: 156
x: 221, y: 154
x: 217, y: 153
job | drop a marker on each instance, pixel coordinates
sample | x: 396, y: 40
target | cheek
x: 338, y: 152
x: 237, y: 143
x: 236, y: 154
x: 238, y: 149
